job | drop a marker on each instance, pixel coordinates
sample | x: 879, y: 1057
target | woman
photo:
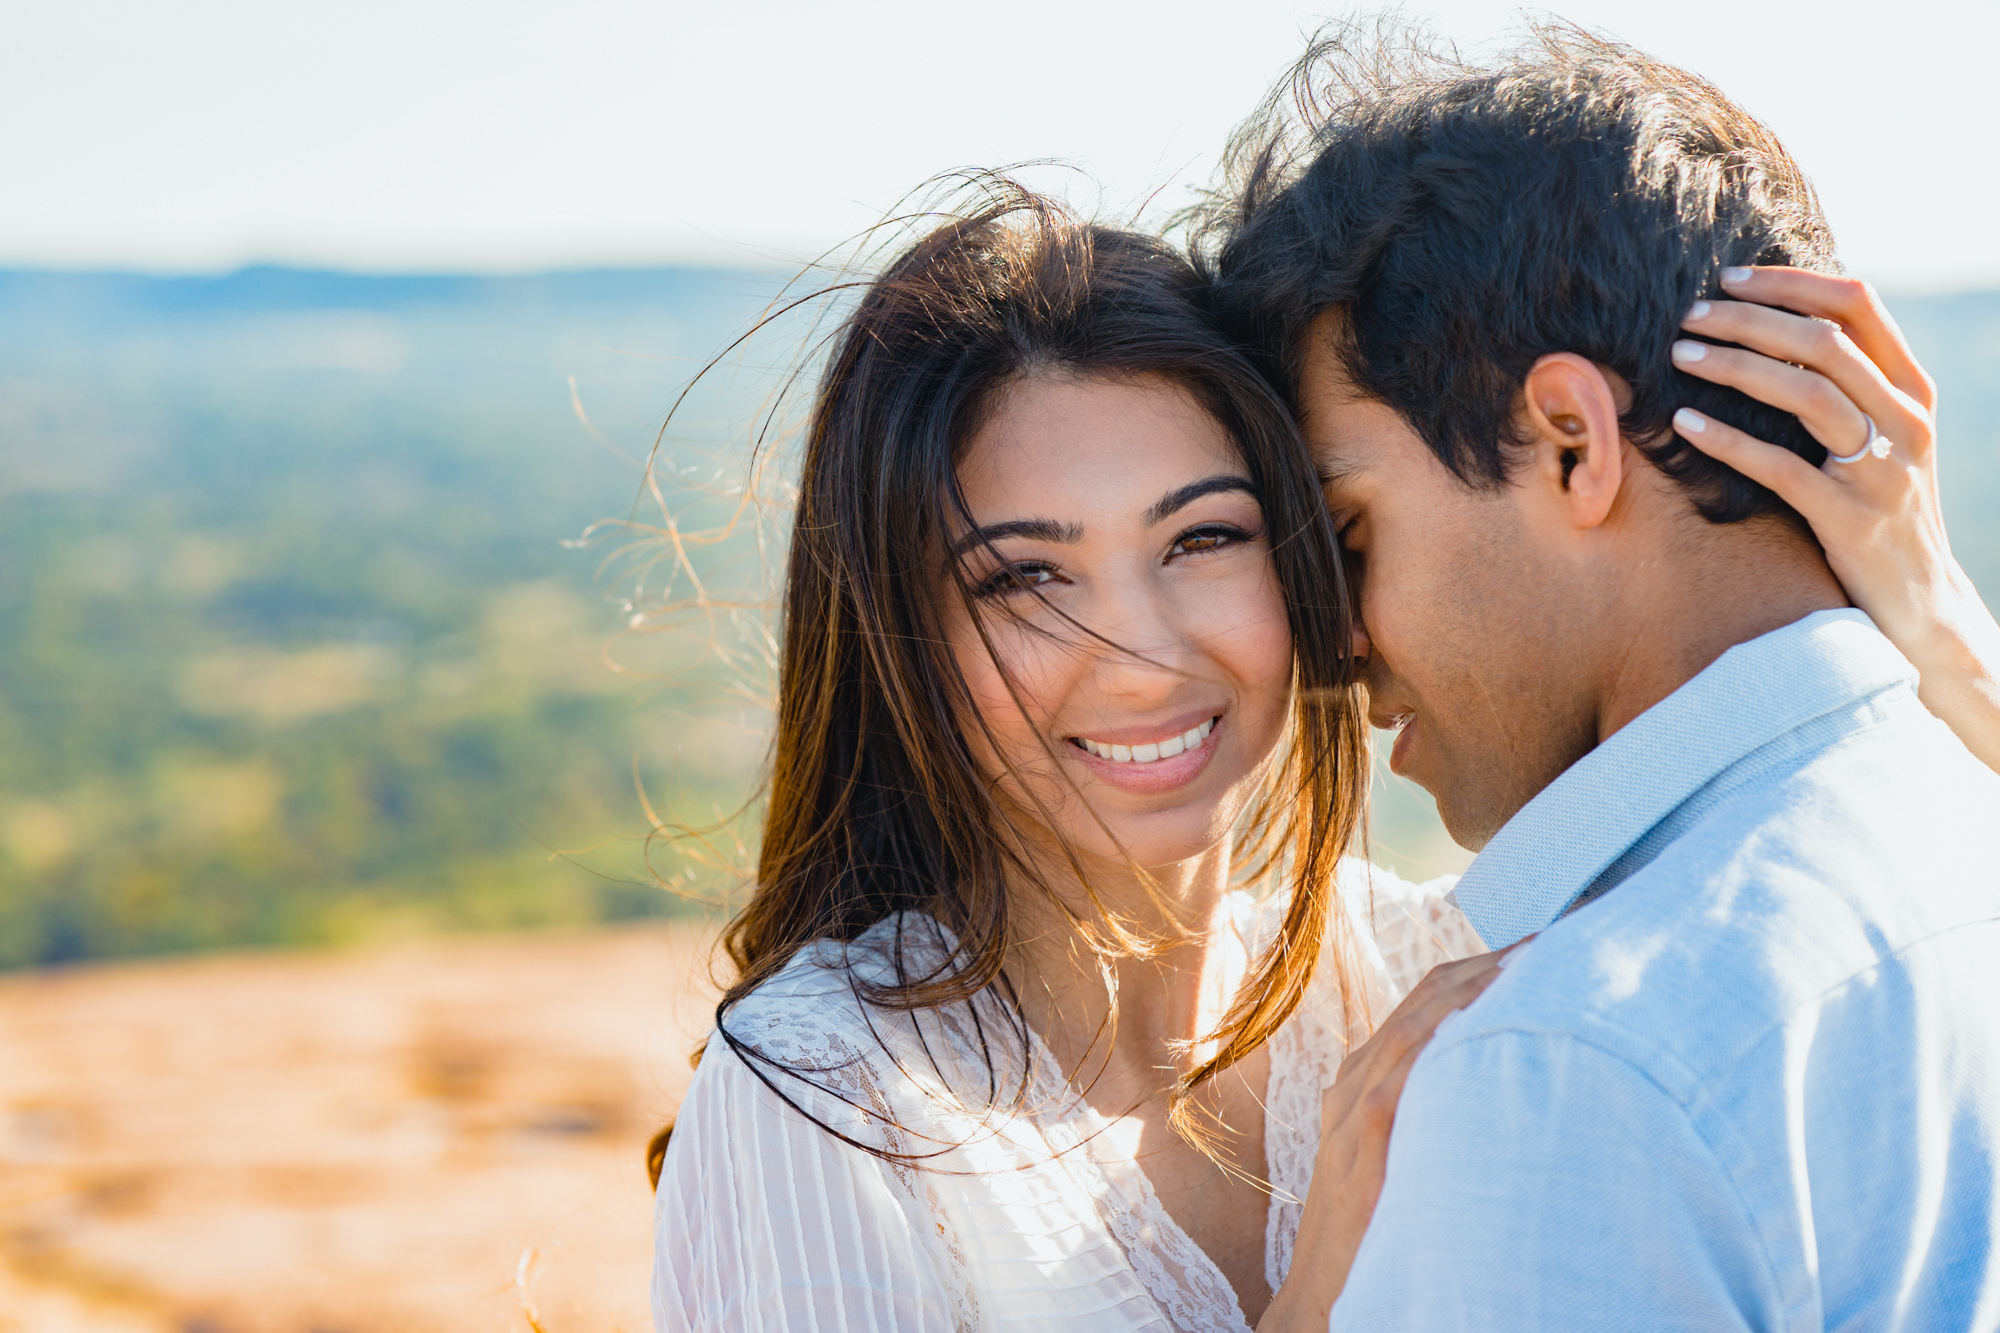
x: 1013, y: 1039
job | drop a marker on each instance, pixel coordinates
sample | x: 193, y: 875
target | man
x: 1747, y: 1075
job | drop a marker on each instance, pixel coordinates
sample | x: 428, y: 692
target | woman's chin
x: 1156, y: 834
x: 1162, y: 850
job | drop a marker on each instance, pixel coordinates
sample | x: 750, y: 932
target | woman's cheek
x: 1000, y: 722
x: 1251, y: 635
x: 1266, y: 669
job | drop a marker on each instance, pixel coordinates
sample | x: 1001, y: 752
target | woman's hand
x: 1878, y: 517
x: 1356, y: 1115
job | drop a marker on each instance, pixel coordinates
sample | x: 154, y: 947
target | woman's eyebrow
x: 1068, y: 534
x: 1036, y: 529
x: 1174, y: 501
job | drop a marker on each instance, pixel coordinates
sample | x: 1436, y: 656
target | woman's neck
x: 1139, y: 1040
x: 1124, y: 1054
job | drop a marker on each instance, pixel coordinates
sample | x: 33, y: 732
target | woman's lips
x: 1149, y: 751
x: 1161, y: 774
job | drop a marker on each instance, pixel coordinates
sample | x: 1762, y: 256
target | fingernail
x: 1732, y: 276
x: 1690, y: 422
x: 1689, y: 351
x: 1699, y: 310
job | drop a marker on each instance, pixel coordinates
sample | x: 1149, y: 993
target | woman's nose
x: 1148, y: 665
x: 1147, y: 652
x: 1361, y: 645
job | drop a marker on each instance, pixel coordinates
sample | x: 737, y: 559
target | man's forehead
x: 1341, y: 468
x: 1322, y: 364
x: 1348, y: 433
x: 1327, y: 395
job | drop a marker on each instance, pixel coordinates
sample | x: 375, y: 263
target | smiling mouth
x: 1152, y: 751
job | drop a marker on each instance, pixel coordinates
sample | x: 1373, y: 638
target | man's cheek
x: 1383, y: 605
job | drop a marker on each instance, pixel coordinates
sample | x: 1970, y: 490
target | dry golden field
x: 440, y: 1136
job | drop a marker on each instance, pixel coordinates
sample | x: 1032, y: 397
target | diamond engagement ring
x: 1877, y: 444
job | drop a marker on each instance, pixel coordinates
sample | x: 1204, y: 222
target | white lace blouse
x: 1021, y: 1215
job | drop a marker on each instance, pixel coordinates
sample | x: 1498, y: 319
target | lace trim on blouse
x: 917, y: 1086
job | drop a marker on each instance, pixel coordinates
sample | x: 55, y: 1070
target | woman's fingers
x: 1446, y: 987
x: 1830, y: 415
x: 1371, y: 1078
x: 1855, y: 383
x: 1797, y: 482
x: 1451, y: 986
x: 1848, y: 302
x: 1444, y: 990
x: 1386, y: 1093
x: 1829, y: 378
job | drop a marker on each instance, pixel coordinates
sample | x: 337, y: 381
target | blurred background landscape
x: 298, y: 644
x: 292, y: 649
x: 341, y: 981
x: 303, y: 647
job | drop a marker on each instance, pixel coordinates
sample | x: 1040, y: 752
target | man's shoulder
x: 1776, y: 899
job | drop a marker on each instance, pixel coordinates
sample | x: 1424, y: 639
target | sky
x: 505, y: 135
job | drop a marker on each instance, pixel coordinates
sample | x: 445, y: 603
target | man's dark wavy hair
x: 1470, y: 218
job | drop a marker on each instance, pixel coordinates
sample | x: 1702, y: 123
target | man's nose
x: 1362, y: 646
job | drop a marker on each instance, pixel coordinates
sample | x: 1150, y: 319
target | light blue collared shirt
x: 1756, y: 1083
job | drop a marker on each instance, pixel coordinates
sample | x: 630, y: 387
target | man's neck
x: 1732, y: 584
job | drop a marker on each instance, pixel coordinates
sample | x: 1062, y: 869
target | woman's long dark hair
x: 875, y: 805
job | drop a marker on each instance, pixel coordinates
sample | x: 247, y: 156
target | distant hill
x: 1958, y: 340
x: 291, y: 648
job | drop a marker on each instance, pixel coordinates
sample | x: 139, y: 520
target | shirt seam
x: 1687, y: 1116
x: 1700, y: 1084
x: 1449, y: 1040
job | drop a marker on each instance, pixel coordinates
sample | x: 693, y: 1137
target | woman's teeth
x: 1146, y: 754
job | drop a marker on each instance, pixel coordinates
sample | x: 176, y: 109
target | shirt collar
x: 1577, y: 826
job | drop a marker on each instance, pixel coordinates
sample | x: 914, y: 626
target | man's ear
x: 1571, y: 414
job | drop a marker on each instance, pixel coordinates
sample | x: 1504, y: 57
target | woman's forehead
x: 1087, y: 443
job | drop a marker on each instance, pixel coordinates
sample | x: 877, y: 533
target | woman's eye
x: 1015, y: 578
x: 1208, y: 537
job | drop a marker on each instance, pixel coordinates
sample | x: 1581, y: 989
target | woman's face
x: 1123, y: 503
